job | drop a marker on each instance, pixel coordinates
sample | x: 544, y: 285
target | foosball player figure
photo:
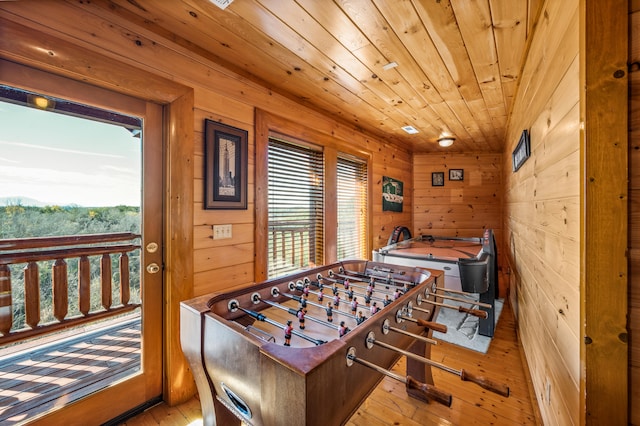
x: 329, y: 312
x: 386, y: 300
x: 360, y: 318
x: 303, y: 301
x: 370, y: 289
x: 354, y: 305
x: 336, y: 300
x: 367, y: 299
x: 320, y: 294
x: 372, y: 283
x: 350, y: 294
x: 288, y: 329
x: 396, y: 294
x: 305, y: 290
x: 374, y: 308
x: 346, y: 284
x: 406, y: 288
x: 343, y: 329
x: 301, y: 314
x: 335, y: 289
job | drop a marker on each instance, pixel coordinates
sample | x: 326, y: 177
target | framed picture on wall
x: 225, y: 174
x: 392, y: 196
x: 437, y: 179
x: 456, y: 174
x: 522, y: 151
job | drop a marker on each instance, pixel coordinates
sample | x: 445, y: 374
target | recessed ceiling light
x: 222, y: 4
x: 389, y: 66
x: 410, y: 129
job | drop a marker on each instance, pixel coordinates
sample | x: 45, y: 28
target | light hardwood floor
x: 389, y: 404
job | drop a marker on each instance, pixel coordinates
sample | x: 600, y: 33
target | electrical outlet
x: 221, y: 232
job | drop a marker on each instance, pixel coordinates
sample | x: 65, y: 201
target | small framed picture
x: 456, y: 174
x: 437, y: 179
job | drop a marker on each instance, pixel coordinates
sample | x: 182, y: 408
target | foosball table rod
x: 483, y: 382
x: 429, y: 391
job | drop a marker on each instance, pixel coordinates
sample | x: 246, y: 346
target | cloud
x: 65, y: 150
x: 70, y: 187
x: 8, y: 160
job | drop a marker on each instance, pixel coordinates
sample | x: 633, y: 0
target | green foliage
x: 17, y: 221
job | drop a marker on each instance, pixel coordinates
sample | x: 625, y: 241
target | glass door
x: 81, y: 176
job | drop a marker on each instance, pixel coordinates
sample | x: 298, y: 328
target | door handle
x: 153, y: 268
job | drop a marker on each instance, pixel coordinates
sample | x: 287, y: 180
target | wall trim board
x: 604, y: 224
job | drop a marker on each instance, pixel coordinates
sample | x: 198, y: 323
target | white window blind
x: 295, y: 215
x: 352, y: 207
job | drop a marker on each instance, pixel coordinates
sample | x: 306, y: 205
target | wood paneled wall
x: 634, y: 213
x: 571, y: 330
x: 542, y: 212
x: 105, y: 50
x: 459, y: 208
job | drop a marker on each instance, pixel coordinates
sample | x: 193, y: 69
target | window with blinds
x: 295, y: 217
x: 352, y: 207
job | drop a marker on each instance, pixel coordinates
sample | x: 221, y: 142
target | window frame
x: 358, y: 163
x: 268, y: 125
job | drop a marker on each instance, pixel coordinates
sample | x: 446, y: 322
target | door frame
x: 123, y: 396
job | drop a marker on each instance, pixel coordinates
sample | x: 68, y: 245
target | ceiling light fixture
x: 389, y: 66
x: 40, y: 102
x: 446, y: 141
x: 410, y: 129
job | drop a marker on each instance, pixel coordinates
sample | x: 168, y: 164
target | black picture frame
x: 437, y: 179
x: 522, y: 151
x: 225, y: 174
x: 456, y: 174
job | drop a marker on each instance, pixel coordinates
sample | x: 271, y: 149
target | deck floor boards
x: 33, y: 381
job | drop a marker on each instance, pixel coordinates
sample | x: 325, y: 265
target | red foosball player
x: 396, y: 294
x: 301, y: 314
x: 320, y: 294
x: 336, y: 300
x: 370, y: 288
x: 374, y: 308
x: 354, y: 305
x: 305, y: 290
x: 346, y: 284
x: 288, y: 329
x: 343, y: 329
x: 329, y: 312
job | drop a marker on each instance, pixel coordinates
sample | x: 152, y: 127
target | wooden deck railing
x: 55, y: 253
x: 293, y: 246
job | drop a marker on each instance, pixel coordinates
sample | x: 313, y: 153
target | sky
x: 63, y: 160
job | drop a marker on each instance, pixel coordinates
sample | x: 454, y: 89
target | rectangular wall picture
x: 391, y: 195
x: 437, y: 179
x: 225, y: 173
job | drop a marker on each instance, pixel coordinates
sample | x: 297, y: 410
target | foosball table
x: 308, y: 348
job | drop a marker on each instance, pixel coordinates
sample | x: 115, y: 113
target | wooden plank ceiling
x: 458, y: 61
